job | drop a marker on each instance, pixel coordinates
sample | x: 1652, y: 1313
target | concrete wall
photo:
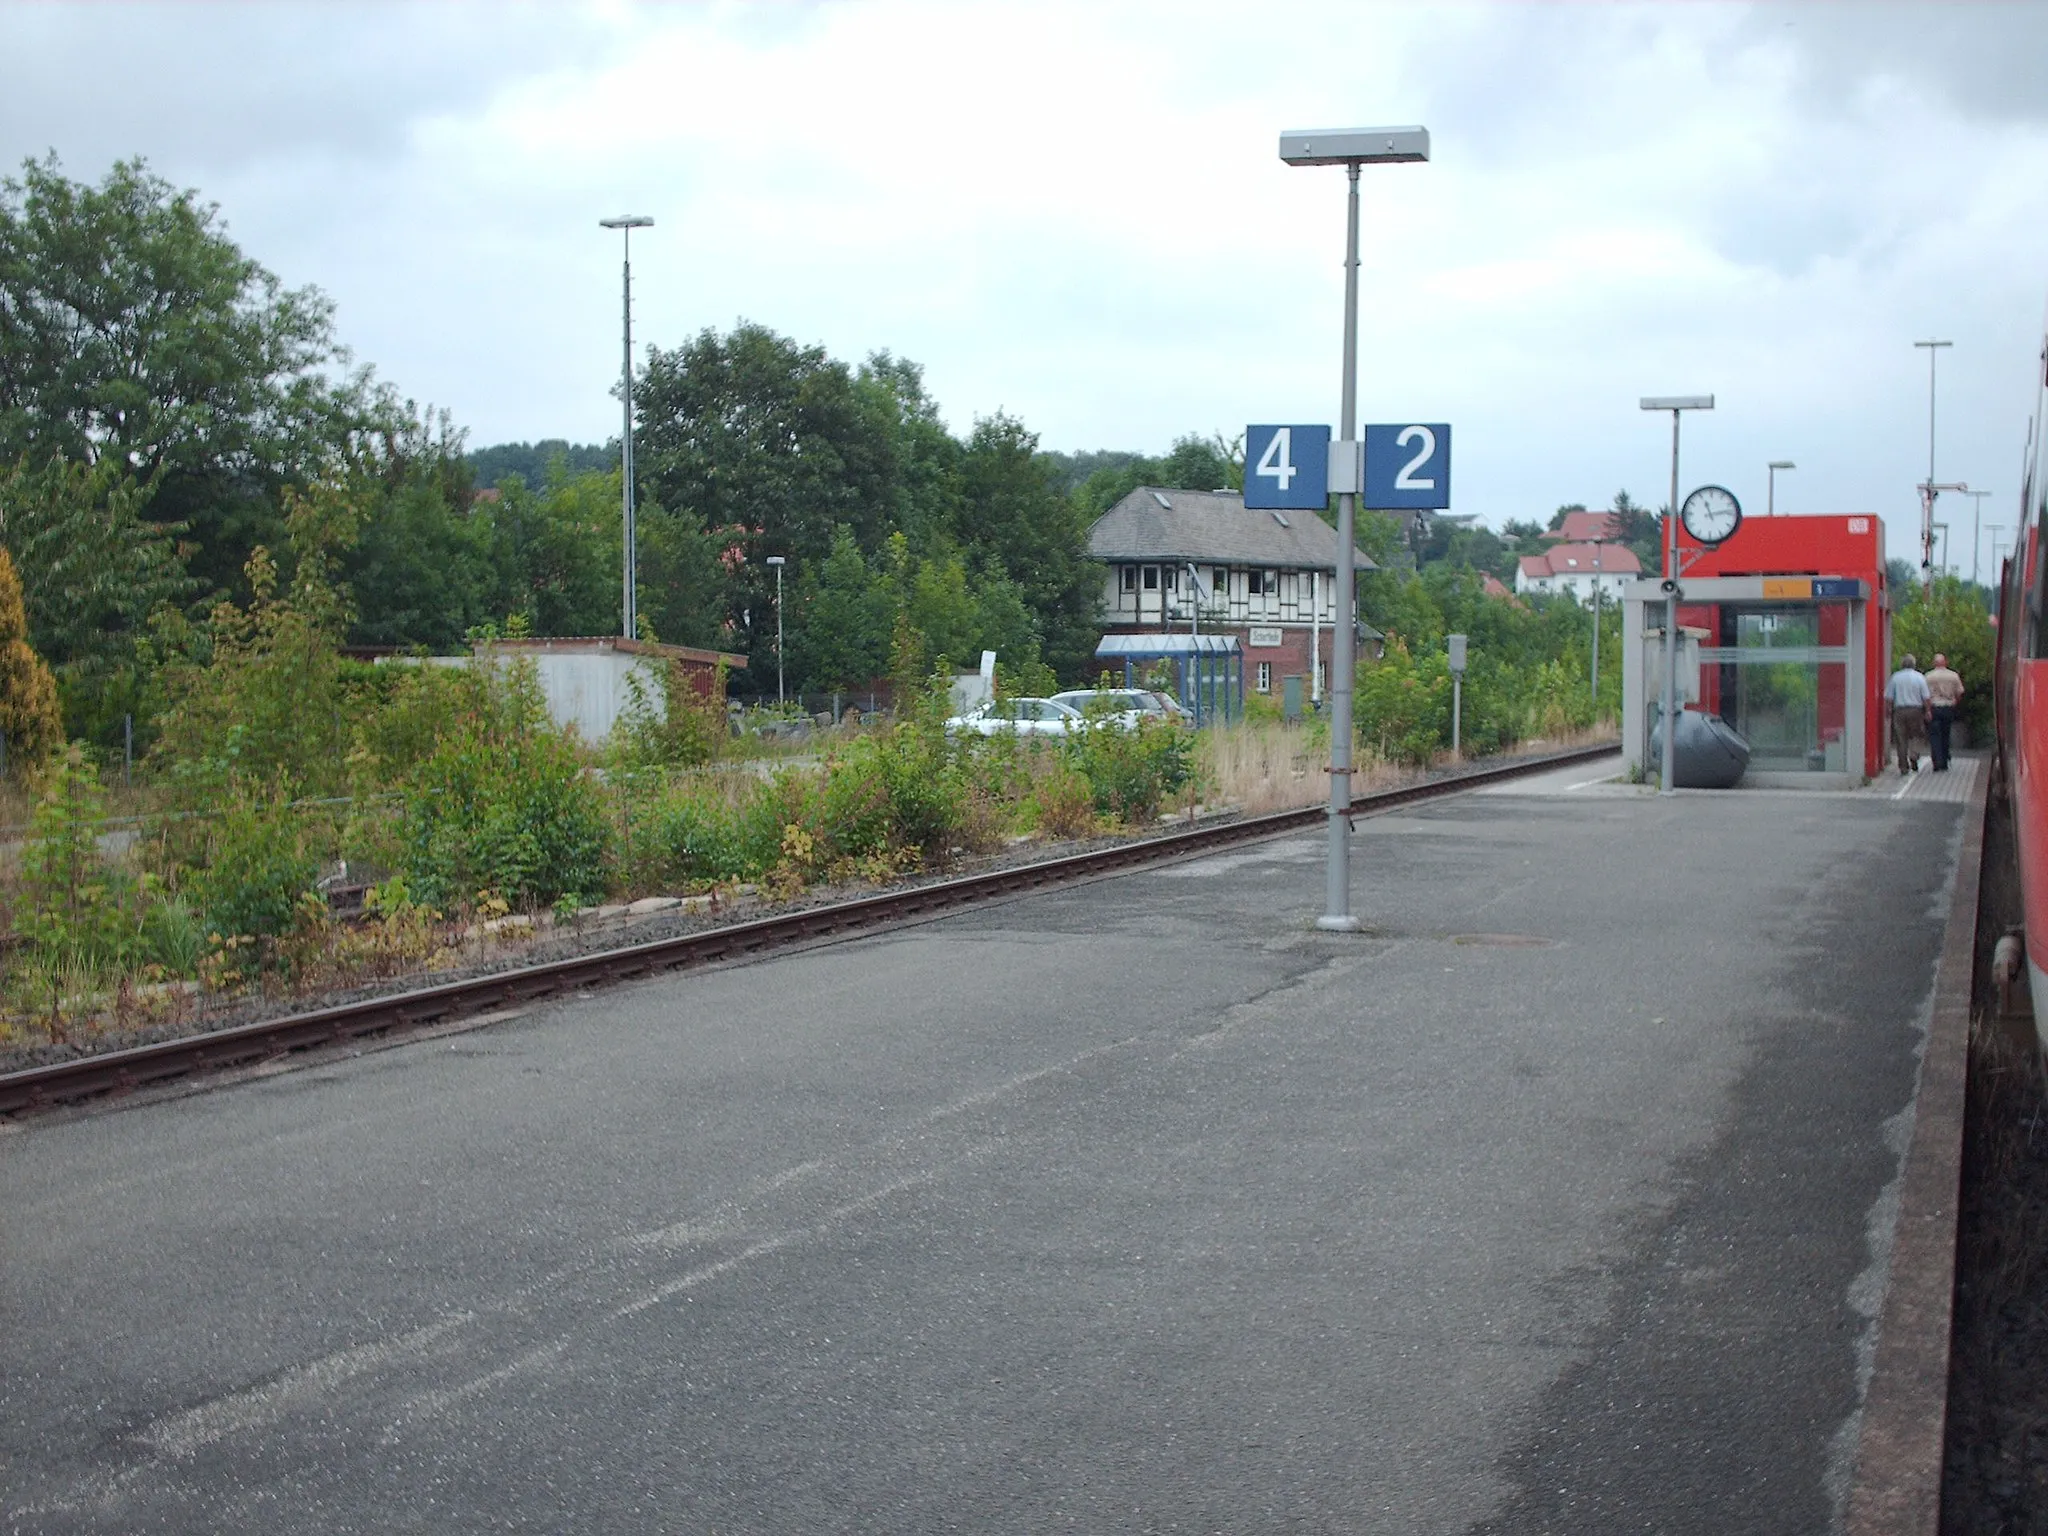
x: 588, y: 690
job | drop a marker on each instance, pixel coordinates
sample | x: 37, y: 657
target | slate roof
x: 1213, y: 528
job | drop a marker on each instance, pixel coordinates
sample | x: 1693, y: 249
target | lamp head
x: 1354, y: 146
x: 626, y: 221
x: 774, y: 560
x: 1783, y: 464
x: 1678, y: 402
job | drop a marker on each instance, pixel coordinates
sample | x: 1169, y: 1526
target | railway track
x: 114, y: 1072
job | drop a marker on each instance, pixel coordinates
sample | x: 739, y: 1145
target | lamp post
x: 1976, y: 529
x: 1676, y: 405
x: 1350, y: 148
x: 776, y: 561
x: 1995, y: 529
x: 1771, y: 485
x: 625, y: 224
x: 1929, y: 490
x: 1598, y: 545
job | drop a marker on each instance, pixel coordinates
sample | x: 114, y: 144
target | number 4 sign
x: 1408, y: 467
x: 1286, y: 466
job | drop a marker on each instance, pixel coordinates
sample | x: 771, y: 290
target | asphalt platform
x: 1558, y: 1200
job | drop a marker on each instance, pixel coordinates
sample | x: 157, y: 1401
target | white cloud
x: 1075, y: 212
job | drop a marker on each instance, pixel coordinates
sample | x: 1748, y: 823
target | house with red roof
x: 1583, y: 527
x: 1579, y: 569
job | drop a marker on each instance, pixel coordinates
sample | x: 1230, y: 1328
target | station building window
x: 1265, y: 682
x: 1128, y: 578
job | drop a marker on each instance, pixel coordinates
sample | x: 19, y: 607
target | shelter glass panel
x: 1779, y: 674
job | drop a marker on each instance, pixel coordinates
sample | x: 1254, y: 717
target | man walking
x: 1906, y: 693
x: 1944, y: 692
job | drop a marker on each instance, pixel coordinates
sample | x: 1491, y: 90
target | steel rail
x: 139, y: 1066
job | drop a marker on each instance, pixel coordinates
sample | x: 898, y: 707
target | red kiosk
x: 1787, y: 632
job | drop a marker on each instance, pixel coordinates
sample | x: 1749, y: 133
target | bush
x: 1063, y: 802
x: 1132, y: 770
x: 503, y: 804
x: 697, y: 831
x: 895, y: 790
x: 1404, y: 704
x: 668, y: 724
x: 259, y: 867
x: 74, y: 908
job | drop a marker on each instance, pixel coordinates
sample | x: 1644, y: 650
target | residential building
x: 1580, y: 570
x: 1583, y: 527
x: 1200, y: 561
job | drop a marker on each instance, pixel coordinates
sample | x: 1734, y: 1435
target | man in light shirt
x: 1944, y: 693
x: 1906, y: 693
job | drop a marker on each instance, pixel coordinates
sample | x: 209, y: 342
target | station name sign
x: 1812, y: 586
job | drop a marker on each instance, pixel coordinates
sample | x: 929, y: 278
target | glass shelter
x: 1206, y: 671
x: 1784, y: 660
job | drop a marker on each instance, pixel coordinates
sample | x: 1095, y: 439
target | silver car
x: 1024, y: 717
x: 1123, y: 706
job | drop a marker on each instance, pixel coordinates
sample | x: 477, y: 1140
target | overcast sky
x: 1076, y: 213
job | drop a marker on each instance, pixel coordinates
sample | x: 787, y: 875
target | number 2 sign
x: 1286, y: 466
x: 1407, y: 467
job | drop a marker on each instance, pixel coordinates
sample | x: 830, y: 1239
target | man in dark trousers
x: 1906, y: 693
x: 1944, y: 693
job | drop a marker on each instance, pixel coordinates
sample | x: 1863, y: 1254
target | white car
x: 1024, y: 717
x: 1123, y: 706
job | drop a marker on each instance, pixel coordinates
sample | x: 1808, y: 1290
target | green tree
x: 134, y: 332
x: 1948, y: 617
x: 557, y: 551
x: 841, y: 616
x: 1024, y: 528
x: 257, y: 704
x: 767, y: 446
x: 29, y: 720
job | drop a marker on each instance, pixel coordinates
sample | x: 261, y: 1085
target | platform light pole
x: 1771, y: 486
x: 777, y: 562
x: 1598, y: 546
x: 1976, y: 530
x: 1350, y: 148
x: 1677, y: 405
x: 1995, y: 529
x: 625, y: 224
x: 1929, y: 490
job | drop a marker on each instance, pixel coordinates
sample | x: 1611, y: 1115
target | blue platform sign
x: 1287, y: 467
x: 1407, y: 467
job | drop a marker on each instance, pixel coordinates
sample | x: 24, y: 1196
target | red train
x: 2022, y: 696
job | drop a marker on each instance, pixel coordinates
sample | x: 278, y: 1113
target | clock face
x: 1711, y: 514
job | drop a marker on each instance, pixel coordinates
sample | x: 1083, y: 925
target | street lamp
x: 1675, y: 404
x: 1929, y: 490
x: 1350, y: 148
x: 1976, y: 529
x: 776, y: 561
x: 625, y: 224
x: 1771, y: 490
x: 1598, y: 546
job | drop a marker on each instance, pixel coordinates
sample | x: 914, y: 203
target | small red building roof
x: 1582, y: 560
x: 1583, y: 527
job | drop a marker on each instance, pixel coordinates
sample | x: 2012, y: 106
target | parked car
x: 1026, y: 717
x: 1125, y: 706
